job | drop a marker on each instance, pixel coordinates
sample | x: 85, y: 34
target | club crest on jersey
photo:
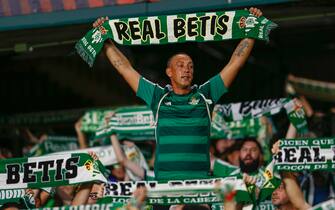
x: 194, y: 101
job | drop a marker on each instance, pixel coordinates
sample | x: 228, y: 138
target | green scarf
x: 265, y: 205
x: 327, y: 205
x: 105, y: 154
x: 93, y: 119
x: 253, y: 109
x: 7, y: 196
x: 54, y: 144
x: 133, y: 122
x: 266, y: 179
x: 315, y: 89
x: 306, y: 154
x: 49, y: 171
x: 237, y: 129
x: 179, y: 28
x: 103, y: 206
x: 177, y: 192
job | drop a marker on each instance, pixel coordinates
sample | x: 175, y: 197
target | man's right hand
x: 99, y: 21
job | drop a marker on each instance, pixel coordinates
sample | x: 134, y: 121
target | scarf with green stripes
x: 306, y: 154
x: 164, y: 29
x: 137, y: 122
x: 50, y: 171
x: 54, y: 144
x: 253, y: 109
x: 319, y: 90
x: 178, y: 192
x: 326, y: 205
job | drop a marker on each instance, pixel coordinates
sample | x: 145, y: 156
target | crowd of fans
x: 244, y: 156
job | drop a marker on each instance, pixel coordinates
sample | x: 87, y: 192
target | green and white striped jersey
x: 183, y: 127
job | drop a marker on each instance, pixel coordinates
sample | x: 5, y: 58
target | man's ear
x: 168, y: 72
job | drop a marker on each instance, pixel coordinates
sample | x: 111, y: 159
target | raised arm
x: 240, y: 55
x: 119, y: 61
x: 294, y: 192
x: 81, y: 136
x: 122, y: 159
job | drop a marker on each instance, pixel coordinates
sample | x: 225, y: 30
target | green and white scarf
x: 265, y: 205
x: 266, y: 179
x: 306, y: 154
x: 19, y: 195
x: 253, y: 109
x: 54, y: 144
x: 103, y: 206
x: 93, y: 119
x: 236, y: 129
x: 177, y: 192
x: 49, y: 171
x: 105, y: 154
x: 327, y: 205
x: 7, y: 196
x: 179, y: 28
x: 134, y: 123
x: 315, y: 89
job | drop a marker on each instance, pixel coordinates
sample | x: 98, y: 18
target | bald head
x: 175, y: 56
x: 180, y: 71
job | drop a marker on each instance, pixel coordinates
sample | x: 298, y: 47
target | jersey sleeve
x: 213, y: 88
x: 148, y: 91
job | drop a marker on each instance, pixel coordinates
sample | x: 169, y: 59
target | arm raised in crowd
x: 294, y: 192
x: 292, y: 187
x: 81, y: 136
x: 119, y: 61
x: 122, y: 159
x: 240, y: 55
x: 84, y: 190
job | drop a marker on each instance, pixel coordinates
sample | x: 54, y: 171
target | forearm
x: 237, y: 60
x: 294, y: 192
x: 117, y: 149
x: 121, y: 158
x: 81, y: 196
x: 122, y: 65
x: 291, y: 132
x: 135, y: 168
x: 81, y: 139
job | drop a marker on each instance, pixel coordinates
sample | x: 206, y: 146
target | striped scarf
x: 164, y: 29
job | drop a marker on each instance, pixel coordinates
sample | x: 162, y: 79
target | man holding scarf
x: 182, y: 111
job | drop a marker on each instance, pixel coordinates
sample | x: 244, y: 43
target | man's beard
x: 249, y: 168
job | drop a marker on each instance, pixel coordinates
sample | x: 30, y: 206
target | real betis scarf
x: 306, y: 154
x: 134, y: 123
x: 49, y: 171
x: 265, y: 205
x: 105, y: 154
x: 103, y: 206
x: 315, y: 89
x: 19, y: 195
x: 93, y: 119
x: 7, y: 196
x: 266, y: 179
x: 327, y: 205
x: 164, y: 29
x: 176, y: 192
x: 253, y: 109
x: 236, y: 129
x: 54, y: 144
